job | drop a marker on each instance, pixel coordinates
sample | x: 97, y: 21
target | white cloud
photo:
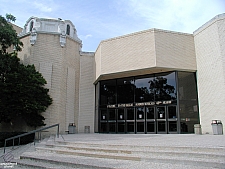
x: 185, y: 15
x: 88, y: 36
x: 42, y: 7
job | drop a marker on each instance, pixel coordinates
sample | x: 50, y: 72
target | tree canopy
x: 22, y: 88
x: 8, y: 35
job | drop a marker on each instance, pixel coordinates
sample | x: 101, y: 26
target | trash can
x: 217, y: 127
x: 197, y: 129
x: 86, y: 129
x: 71, y: 128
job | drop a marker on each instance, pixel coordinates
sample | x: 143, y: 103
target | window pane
x: 161, y: 112
x: 143, y: 90
x: 121, y: 127
x: 165, y: 86
x: 112, y: 127
x: 150, y: 113
x: 103, y: 115
x: 172, y: 112
x: 120, y: 114
x: 68, y: 29
x: 112, y: 114
x: 172, y: 126
x: 130, y: 114
x: 125, y: 90
x: 150, y: 126
x: 140, y: 113
x: 130, y: 127
x: 103, y: 127
x: 188, y: 101
x: 108, y: 92
x: 140, y: 127
x: 161, y: 126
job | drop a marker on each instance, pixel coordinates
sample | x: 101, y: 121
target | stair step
x: 58, y: 153
x: 88, y: 154
x: 68, y: 161
x: 205, y: 150
x: 138, y: 155
x: 32, y: 162
x: 147, y: 152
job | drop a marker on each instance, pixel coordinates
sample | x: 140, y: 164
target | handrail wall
x: 31, y: 132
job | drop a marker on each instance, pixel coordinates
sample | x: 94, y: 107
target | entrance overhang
x: 138, y: 72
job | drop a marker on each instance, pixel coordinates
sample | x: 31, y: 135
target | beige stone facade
x: 210, y: 58
x: 73, y: 76
x: 59, y: 65
x: 146, y: 52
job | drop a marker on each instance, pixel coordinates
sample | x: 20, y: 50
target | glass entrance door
x: 121, y: 125
x: 166, y: 119
x: 112, y: 120
x: 150, y: 120
x: 140, y: 120
x: 172, y: 119
x: 130, y: 120
x: 161, y: 119
x: 103, y: 121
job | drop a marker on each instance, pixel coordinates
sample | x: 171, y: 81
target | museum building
x: 152, y: 81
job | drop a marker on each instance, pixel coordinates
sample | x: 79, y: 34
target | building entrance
x: 145, y: 119
x: 148, y: 104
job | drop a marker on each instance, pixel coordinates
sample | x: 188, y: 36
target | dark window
x: 150, y: 127
x: 150, y: 113
x: 140, y: 113
x: 121, y: 127
x: 112, y: 127
x: 121, y: 115
x: 112, y: 114
x: 31, y: 26
x: 161, y: 112
x: 125, y: 90
x: 68, y: 29
x: 172, y: 112
x: 188, y: 101
x: 130, y: 127
x: 140, y: 127
x: 144, y: 91
x: 130, y: 114
x: 103, y: 115
x: 164, y: 86
x: 108, y: 92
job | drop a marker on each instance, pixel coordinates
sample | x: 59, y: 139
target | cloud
x: 177, y: 15
x: 88, y: 36
x: 42, y: 7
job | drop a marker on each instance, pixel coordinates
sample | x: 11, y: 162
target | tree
x: 161, y: 89
x: 21, y: 87
x: 10, y: 17
x: 8, y: 36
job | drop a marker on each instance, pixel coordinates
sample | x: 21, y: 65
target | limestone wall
x: 87, y: 93
x: 210, y: 56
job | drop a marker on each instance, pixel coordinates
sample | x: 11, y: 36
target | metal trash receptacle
x: 86, y: 129
x: 71, y: 128
x: 197, y: 129
x: 217, y: 127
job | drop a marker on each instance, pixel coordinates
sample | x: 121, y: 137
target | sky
x: 97, y: 20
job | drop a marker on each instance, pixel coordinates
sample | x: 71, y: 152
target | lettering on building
x: 140, y: 104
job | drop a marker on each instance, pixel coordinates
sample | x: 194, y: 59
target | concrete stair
x: 61, y: 154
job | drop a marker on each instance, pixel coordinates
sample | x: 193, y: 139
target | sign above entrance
x: 153, y: 103
x: 140, y: 104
